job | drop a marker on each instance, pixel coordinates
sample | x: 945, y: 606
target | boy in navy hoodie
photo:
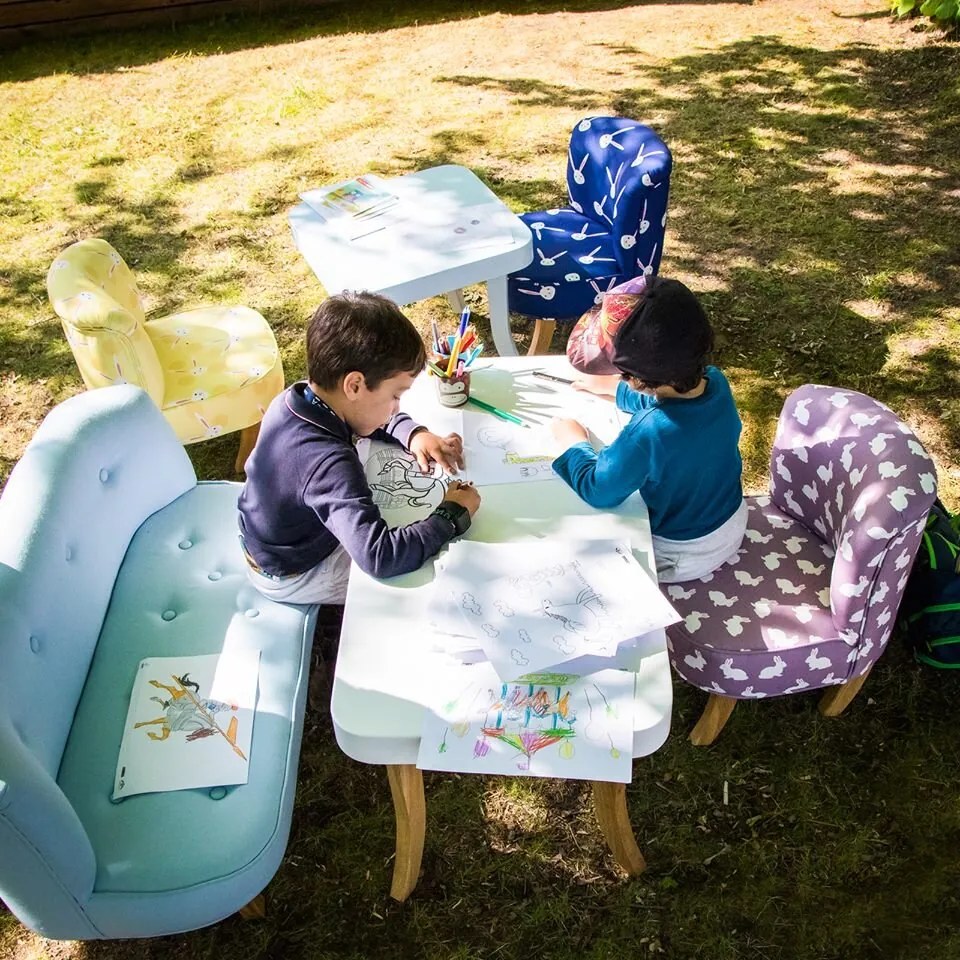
x: 306, y: 509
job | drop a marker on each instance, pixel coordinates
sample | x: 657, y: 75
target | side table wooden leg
x: 406, y: 786
x: 610, y: 802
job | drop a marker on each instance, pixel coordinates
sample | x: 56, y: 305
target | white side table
x: 415, y: 259
x: 387, y: 669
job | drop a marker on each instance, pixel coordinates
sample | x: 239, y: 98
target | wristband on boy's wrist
x: 456, y: 514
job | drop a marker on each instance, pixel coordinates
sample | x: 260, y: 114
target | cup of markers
x: 450, y: 364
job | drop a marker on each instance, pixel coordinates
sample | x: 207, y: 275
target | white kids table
x: 422, y: 255
x: 387, y: 667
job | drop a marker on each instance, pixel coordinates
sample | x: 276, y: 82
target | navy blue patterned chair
x: 618, y: 179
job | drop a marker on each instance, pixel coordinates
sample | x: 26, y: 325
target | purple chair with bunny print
x: 811, y: 598
x: 618, y: 182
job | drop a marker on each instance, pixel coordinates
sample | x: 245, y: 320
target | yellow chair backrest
x: 94, y: 294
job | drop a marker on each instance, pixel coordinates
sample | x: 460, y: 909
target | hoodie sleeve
x: 338, y: 492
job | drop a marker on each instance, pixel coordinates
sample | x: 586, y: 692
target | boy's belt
x: 253, y: 565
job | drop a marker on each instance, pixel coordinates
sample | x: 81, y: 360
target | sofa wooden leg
x: 256, y: 909
x: 610, y: 802
x: 836, y: 699
x: 406, y: 786
x: 713, y: 719
x: 248, y: 438
x: 542, y: 335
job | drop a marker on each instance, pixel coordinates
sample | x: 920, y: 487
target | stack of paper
x: 543, y: 625
x: 540, y: 605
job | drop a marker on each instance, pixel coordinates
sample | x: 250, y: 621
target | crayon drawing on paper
x: 544, y: 725
x: 189, y: 723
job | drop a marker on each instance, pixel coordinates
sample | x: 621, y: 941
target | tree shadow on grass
x: 117, y: 48
x: 807, y: 184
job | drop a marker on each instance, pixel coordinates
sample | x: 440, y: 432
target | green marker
x: 496, y: 411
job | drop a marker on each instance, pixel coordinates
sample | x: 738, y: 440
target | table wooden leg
x: 610, y: 802
x: 500, y: 317
x: 406, y: 786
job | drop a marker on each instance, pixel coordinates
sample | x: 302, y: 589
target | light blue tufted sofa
x: 111, y: 551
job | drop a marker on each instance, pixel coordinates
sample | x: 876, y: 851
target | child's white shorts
x: 682, y: 560
x: 324, y: 583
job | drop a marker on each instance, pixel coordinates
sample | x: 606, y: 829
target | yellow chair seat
x: 211, y: 371
x: 221, y: 369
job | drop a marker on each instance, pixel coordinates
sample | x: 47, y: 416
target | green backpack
x: 930, y: 609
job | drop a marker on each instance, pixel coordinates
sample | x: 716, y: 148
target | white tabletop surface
x: 417, y: 257
x: 388, y: 669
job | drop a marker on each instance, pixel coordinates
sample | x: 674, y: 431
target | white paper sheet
x: 539, y: 604
x: 400, y: 489
x: 498, y: 451
x: 553, y: 725
x: 189, y: 724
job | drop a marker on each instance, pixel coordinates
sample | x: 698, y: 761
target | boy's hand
x: 605, y: 386
x: 428, y: 448
x: 466, y: 494
x: 568, y: 432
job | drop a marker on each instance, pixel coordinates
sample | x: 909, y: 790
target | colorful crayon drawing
x: 533, y: 727
x: 529, y: 718
x: 520, y: 454
x: 185, y: 711
x: 189, y: 723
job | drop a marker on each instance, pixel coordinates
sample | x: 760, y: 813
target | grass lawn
x: 815, y: 204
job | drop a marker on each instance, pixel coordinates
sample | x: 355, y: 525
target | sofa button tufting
x: 68, y: 553
x: 168, y: 614
x: 185, y: 544
x: 35, y: 644
x: 252, y: 612
x: 214, y: 575
x: 104, y: 475
x: 217, y: 793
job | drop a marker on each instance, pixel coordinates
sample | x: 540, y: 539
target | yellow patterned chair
x: 210, y: 370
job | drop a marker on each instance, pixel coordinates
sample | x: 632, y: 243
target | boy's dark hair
x: 361, y: 331
x: 666, y: 341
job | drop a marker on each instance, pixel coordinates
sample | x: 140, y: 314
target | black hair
x: 365, y: 332
x: 666, y: 341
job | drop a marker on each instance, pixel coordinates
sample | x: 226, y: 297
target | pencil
x: 550, y: 376
x: 496, y: 411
